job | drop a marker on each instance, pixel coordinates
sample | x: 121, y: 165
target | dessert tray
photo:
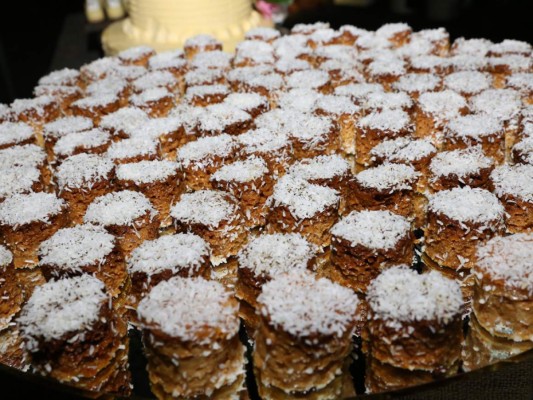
x: 319, y: 215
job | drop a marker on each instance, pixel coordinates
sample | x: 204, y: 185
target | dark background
x: 39, y: 36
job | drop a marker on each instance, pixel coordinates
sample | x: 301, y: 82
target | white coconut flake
x: 401, y: 296
x: 202, y: 41
x: 379, y: 230
x: 388, y: 177
x: 71, y: 249
x: 471, y: 46
x: 200, y: 152
x: 247, y: 101
x: 66, y: 145
x: 320, y: 167
x: 118, y: 208
x: 383, y: 66
x: 302, y: 99
x: 516, y: 180
x: 18, y: 156
x: 304, y: 200
x: 514, y: 62
x: 389, y: 120
x: 132, y: 147
x: 469, y: 82
x: 474, y: 126
x: 212, y: 59
x: 336, y: 105
x: 82, y: 171
x: 66, y: 125
x: 287, y: 65
x: 388, y: 100
x: 173, y: 59
x: 403, y: 149
x: 262, y: 33
x: 182, y: 251
x: 503, y: 104
x: 275, y: 254
x: 109, y: 85
x: 100, y: 67
x: 467, y: 205
x: 36, y: 105
x: 150, y: 95
x: 65, y: 76
x: 147, y: 171
x: 388, y: 31
x: 220, y: 116
x: 206, y: 207
x: 460, y: 163
x: 507, y: 258
x: 205, y: 90
x: 61, y: 307
x: 522, y: 82
x: 22, y: 209
x: 263, y: 140
x: 307, y: 79
x: 135, y: 53
x: 154, y: 79
x: 203, y: 76
x: 242, y: 171
x: 257, y: 51
x: 358, y: 91
x: 431, y: 63
x: 14, y: 132
x: 186, y: 308
x: 523, y: 147
x: 303, y: 306
x: 417, y: 83
x: 6, y: 257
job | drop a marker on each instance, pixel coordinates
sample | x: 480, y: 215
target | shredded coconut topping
x: 21, y: 209
x: 388, y: 100
x: 150, y: 95
x: 14, y: 132
x: 474, y: 126
x: 127, y: 120
x: 263, y: 33
x: 400, y: 295
x: 133, y: 147
x: 442, y: 105
x: 394, y: 120
x: 304, y: 200
x: 467, y: 205
x: 203, y: 76
x: 470, y: 82
x: 521, y: 81
x: 154, y: 79
x: 206, y: 207
x: 187, y: 308
x: 219, y: 116
x: 147, y: 171
x: 275, y: 254
x: 61, y: 307
x: 167, y: 60
x: 135, y: 53
x: 170, y: 252
x: 387, y: 66
x: 74, y: 248
x: 310, y: 79
x: 302, y: 100
x: 257, y: 51
x: 503, y: 104
x: 87, y: 140
x: 201, y: 41
x: 82, y: 170
x: 358, y: 91
x: 388, y: 177
x: 320, y: 167
x: 65, y: 76
x: 471, y: 46
x: 417, y: 83
x: 263, y: 140
x: 246, y: 101
x: 336, y: 105
x: 118, y: 208
x: 200, y: 152
x: 508, y: 258
x: 212, y: 59
x: 205, y: 90
x: 403, y: 149
x: 18, y: 179
x: 304, y: 306
x: 242, y: 171
x: 286, y: 65
x: 26, y: 155
x: 389, y: 30
x: 6, y: 257
x: 372, y: 229
x: 96, y: 100
x: 516, y: 180
x: 461, y: 163
x: 66, y: 125
x: 109, y: 85
x: 35, y: 105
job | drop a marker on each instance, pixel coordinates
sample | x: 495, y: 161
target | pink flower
x: 265, y: 8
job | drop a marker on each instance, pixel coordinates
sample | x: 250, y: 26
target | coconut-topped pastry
x: 523, y: 83
x: 262, y: 33
x: 172, y: 61
x: 253, y: 52
x: 20, y: 179
x: 74, y: 336
x: 271, y: 145
x: 26, y: 220
x: 301, y: 207
x: 12, y: 298
x: 85, y: 249
x: 156, y: 102
x: 264, y: 258
x: 204, y: 76
x: 378, y: 126
x: 204, y: 95
x: 342, y: 110
x: 503, y: 104
x: 314, y: 317
x: 154, y: 261
x: 201, y: 43
x: 385, y: 70
x: 504, y: 286
x: 27, y: 156
x: 309, y: 79
x: 136, y: 55
x: 379, y: 101
x: 35, y: 111
x: 522, y: 152
x: 429, y: 64
x: 93, y: 141
x: 460, y: 219
x: 458, y: 168
x: 223, y: 119
x: 503, y: 66
x: 409, y: 341
x: 398, y: 33
x: 357, y: 92
x: 434, y: 109
x: 55, y: 130
x: 123, y: 122
x: 160, y: 181
x: 191, y: 322
x: 366, y: 242
x: 253, y: 103
x: 250, y: 182
x: 202, y: 158
x: 134, y: 149
x: 404, y: 150
x: 96, y: 106
x: 81, y: 178
x: 514, y: 187
x: 216, y: 217
x: 126, y: 214
x: 415, y: 84
x: 476, y: 129
x: 156, y: 79
x: 15, y: 133
x: 385, y: 187
x: 467, y: 83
